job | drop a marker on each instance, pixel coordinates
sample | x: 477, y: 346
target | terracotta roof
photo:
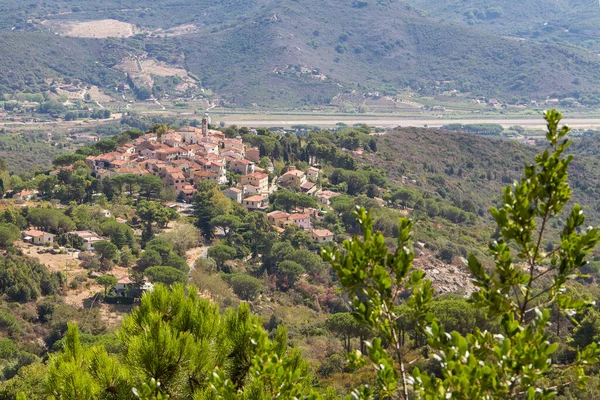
x: 255, y: 198
x: 119, y: 162
x: 278, y: 214
x: 322, y: 232
x: 125, y: 281
x: 169, y: 150
x: 35, y: 233
x: 258, y: 175
x: 244, y: 161
x: 177, y: 175
x: 299, y: 216
x: 327, y: 194
x: 295, y: 172
x: 188, y: 129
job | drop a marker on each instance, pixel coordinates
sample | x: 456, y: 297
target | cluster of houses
x: 184, y: 157
x: 41, y: 238
x: 180, y: 158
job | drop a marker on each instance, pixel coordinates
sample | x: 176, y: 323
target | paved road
x: 249, y: 120
x: 256, y: 121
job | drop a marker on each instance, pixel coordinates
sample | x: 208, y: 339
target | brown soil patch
x: 72, y: 265
x: 95, y: 29
x: 177, y: 30
x: 156, y: 68
x: 97, y: 95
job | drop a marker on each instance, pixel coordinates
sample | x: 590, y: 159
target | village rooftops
x: 125, y: 281
x: 189, y: 129
x: 35, y: 233
x: 258, y: 175
x: 322, y: 233
x: 255, y: 198
x: 307, y: 186
x: 278, y: 215
x: 169, y: 150
x: 294, y: 172
x: 327, y: 194
x: 295, y: 217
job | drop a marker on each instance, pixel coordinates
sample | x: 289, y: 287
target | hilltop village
x: 182, y: 158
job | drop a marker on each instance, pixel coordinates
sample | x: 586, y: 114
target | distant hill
x: 294, y: 53
x: 566, y: 21
x: 375, y: 47
x: 29, y: 58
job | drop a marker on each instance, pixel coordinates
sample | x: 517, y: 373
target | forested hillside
x: 290, y: 53
x: 564, y: 21
x: 272, y: 311
x: 469, y: 170
x: 31, y: 60
x: 377, y: 46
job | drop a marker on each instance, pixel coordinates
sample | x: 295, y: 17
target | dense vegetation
x: 558, y: 21
x: 32, y: 58
x: 530, y: 329
x: 290, y: 54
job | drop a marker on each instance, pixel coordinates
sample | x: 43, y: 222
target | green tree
x: 246, y: 287
x: 209, y: 203
x: 126, y: 259
x: 150, y: 186
x: 46, y: 185
x: 45, y: 310
x: 70, y: 240
x: 517, y: 362
x: 120, y: 235
x: 108, y: 281
x: 288, y: 273
x: 203, y: 354
x: 107, y: 252
x: 8, y: 234
x: 228, y: 223
x: 50, y: 219
x: 165, y: 275
x: 150, y: 213
x: 221, y: 253
x: 345, y: 326
x: 588, y: 331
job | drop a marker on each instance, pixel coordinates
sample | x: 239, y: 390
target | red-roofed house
x: 243, y: 166
x: 38, y: 237
x: 295, y: 177
x: 302, y: 220
x: 277, y: 218
x: 168, y: 154
x: 253, y: 154
x: 325, y: 196
x: 257, y: 202
x: 234, y: 194
x: 257, y: 179
x: 321, y: 235
x: 176, y: 180
x: 313, y: 173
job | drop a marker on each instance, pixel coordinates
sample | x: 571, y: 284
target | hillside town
x: 184, y: 157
